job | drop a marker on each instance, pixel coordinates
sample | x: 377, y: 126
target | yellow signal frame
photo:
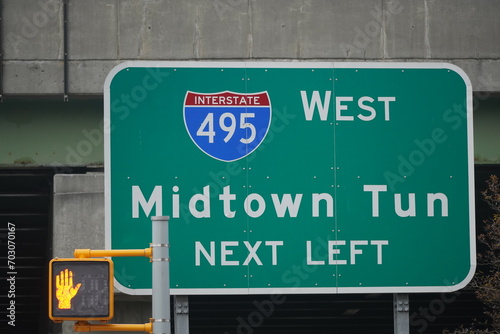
x: 111, y: 290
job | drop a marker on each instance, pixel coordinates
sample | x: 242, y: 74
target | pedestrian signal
x: 81, y: 289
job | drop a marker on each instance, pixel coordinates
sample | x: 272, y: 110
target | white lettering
x: 355, y: 250
x: 375, y: 189
x: 226, y: 197
x: 309, y: 256
x: 339, y: 107
x: 286, y: 204
x: 198, y: 248
x: 248, y: 205
x: 431, y: 198
x: 205, y: 200
x: 386, y: 101
x: 175, y: 202
x: 274, y: 250
x: 342, y: 107
x: 410, y: 212
x: 139, y: 199
x: 367, y: 108
x: 224, y: 252
x: 379, y: 244
x: 316, y: 198
x: 252, y: 253
x: 332, y: 251
x: 316, y: 103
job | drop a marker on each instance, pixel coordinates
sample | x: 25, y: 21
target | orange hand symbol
x: 65, y: 291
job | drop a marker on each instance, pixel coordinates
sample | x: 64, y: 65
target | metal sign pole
x: 401, y: 313
x: 161, y: 276
x: 181, y: 315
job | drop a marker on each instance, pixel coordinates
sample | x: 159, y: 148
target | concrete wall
x: 78, y: 211
x: 103, y: 33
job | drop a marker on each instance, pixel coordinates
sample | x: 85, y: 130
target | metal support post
x: 161, y: 276
x: 401, y: 313
x: 181, y: 315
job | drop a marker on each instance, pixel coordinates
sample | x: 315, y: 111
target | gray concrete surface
x: 78, y: 211
x: 103, y: 33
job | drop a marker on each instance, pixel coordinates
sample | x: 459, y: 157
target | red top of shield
x: 227, y: 99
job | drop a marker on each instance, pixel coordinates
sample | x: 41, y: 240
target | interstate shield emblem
x: 227, y: 126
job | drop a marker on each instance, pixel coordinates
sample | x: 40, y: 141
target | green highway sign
x: 292, y: 177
